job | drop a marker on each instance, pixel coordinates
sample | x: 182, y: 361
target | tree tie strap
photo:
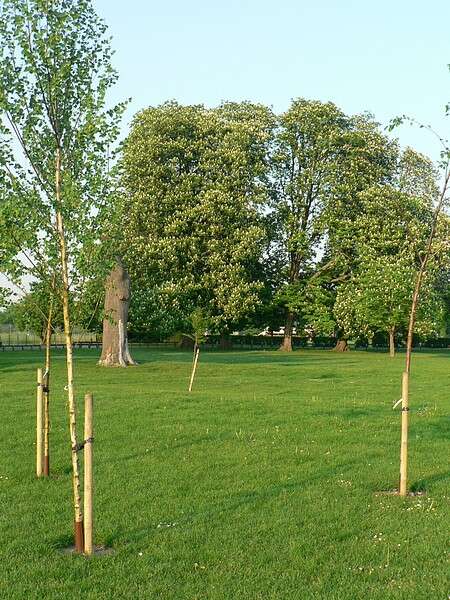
x: 82, y: 444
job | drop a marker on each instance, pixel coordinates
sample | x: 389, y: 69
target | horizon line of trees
x: 311, y: 221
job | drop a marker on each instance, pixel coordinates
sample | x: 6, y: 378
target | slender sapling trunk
x: 78, y: 515
x: 39, y: 423
x: 88, y: 475
x: 48, y: 339
x: 194, y: 368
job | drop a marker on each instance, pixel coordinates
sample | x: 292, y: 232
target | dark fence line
x: 263, y: 341
x: 13, y: 347
x: 11, y: 337
x: 246, y: 342
x: 382, y: 343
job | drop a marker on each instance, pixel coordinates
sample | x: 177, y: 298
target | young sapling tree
x: 56, y: 136
x: 437, y: 245
x: 199, y: 323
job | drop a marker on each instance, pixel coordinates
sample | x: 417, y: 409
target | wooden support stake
x: 404, y: 436
x: 46, y: 394
x: 88, y: 475
x: 194, y: 369
x: 39, y: 454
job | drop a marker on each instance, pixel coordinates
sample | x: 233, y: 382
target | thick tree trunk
x: 391, y: 333
x: 341, y: 346
x: 286, y: 345
x: 115, y: 352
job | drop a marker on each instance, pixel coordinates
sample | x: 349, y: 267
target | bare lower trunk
x: 286, y: 345
x: 78, y: 515
x: 403, y: 478
x: 341, y: 346
x: 391, y: 342
x: 194, y: 366
x: 115, y: 351
x: 48, y: 339
x: 195, y: 352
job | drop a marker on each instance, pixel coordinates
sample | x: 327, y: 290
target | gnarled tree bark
x: 115, y: 351
x: 341, y: 346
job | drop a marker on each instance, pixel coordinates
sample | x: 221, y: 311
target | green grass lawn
x: 261, y: 484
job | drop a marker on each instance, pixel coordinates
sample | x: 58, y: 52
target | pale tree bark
x: 79, y: 534
x: 392, y: 342
x: 341, y: 346
x: 194, y: 366
x: 115, y: 351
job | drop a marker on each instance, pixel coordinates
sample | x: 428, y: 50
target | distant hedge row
x: 261, y: 341
x: 244, y: 341
x: 380, y: 340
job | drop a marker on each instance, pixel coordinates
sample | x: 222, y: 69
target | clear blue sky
x: 387, y: 57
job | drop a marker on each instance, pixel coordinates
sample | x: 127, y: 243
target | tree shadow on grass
x: 352, y: 413
x: 424, y: 484
x: 62, y: 542
x: 20, y: 363
x: 228, y: 505
x: 438, y: 429
x: 254, y: 357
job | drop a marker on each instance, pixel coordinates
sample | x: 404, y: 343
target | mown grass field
x: 261, y: 484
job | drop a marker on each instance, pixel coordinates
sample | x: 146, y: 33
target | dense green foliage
x: 263, y: 483
x: 55, y: 125
x: 31, y: 313
x: 192, y: 231
x: 389, y: 236
x: 251, y: 216
x: 258, y: 220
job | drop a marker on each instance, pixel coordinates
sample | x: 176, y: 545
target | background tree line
x: 311, y: 221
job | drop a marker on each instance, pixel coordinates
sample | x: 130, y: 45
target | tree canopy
x: 193, y: 229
